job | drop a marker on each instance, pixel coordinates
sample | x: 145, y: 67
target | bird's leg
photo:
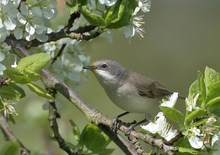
x: 116, y: 122
x: 133, y: 125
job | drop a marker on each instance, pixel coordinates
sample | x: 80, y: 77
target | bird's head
x: 107, y: 71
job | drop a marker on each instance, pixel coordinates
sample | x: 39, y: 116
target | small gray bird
x: 128, y: 90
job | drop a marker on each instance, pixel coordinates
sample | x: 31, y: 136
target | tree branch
x: 53, y: 115
x: 92, y: 114
x: 10, y: 135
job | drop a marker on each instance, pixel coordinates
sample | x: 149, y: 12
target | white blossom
x: 15, y: 63
x: 143, y: 5
x: 191, y: 103
x: 194, y: 136
x: 195, y: 142
x: 107, y: 2
x: 161, y: 127
x: 135, y: 27
x: 2, y: 67
x: 171, y: 101
x: 8, y: 107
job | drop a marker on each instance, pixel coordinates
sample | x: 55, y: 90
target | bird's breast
x: 127, y: 98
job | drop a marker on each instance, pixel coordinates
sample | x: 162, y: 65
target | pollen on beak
x: 89, y: 67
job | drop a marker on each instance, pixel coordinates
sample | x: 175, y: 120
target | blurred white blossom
x: 143, y: 5
x: 205, y: 136
x: 2, y: 67
x: 79, y: 22
x: 29, y: 21
x: 135, y: 27
x: 14, y: 65
x: 8, y: 107
x: 161, y: 127
x: 67, y: 66
x: 191, y: 103
x: 171, y: 101
x: 107, y: 2
x: 194, y: 136
x: 137, y: 20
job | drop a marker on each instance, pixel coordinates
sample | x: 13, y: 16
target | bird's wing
x: 148, y: 87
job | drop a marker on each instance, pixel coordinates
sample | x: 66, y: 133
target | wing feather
x: 148, y: 87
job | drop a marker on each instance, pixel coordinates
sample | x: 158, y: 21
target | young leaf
x: 76, y: 131
x: 72, y: 6
x: 18, y: 89
x: 193, y: 89
x: 211, y: 77
x: 34, y: 62
x: 94, y: 139
x: 16, y: 75
x: 39, y: 91
x: 194, y: 114
x: 201, y: 84
x: 11, y: 119
x: 122, y: 16
x: 11, y: 92
x: 31, y: 75
x: 93, y: 18
x: 187, y: 150
x: 213, y: 97
x: 11, y: 148
x: 173, y: 114
x: 111, y: 13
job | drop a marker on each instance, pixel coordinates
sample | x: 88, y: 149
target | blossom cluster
x: 203, y: 135
x: 68, y: 66
x: 26, y: 19
x: 135, y: 26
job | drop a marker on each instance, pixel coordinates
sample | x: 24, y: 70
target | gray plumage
x: 128, y: 90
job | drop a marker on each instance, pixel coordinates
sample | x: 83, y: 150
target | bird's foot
x: 116, y: 125
x: 131, y: 127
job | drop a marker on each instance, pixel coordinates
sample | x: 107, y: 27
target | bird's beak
x: 92, y: 68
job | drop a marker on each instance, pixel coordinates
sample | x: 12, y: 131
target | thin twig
x: 58, y: 54
x: 10, y: 135
x: 53, y: 115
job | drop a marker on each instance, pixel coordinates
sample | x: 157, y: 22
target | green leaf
x: 213, y: 97
x: 94, y: 139
x: 187, y: 150
x: 194, y: 114
x: 93, y: 18
x: 211, y: 77
x: 173, y: 114
x: 72, y: 6
x: 31, y: 75
x: 11, y: 148
x: 16, y: 75
x: 18, y: 89
x: 76, y: 131
x: 120, y: 14
x: 39, y: 91
x: 193, y: 89
x: 34, y: 62
x: 201, y: 84
x: 199, y: 122
x: 111, y: 13
x: 11, y: 119
x: 11, y: 92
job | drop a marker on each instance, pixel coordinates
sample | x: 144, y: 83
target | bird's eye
x: 104, y: 66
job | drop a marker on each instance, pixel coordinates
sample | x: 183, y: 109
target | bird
x: 129, y: 90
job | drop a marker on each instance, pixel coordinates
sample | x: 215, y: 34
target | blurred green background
x: 182, y: 37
